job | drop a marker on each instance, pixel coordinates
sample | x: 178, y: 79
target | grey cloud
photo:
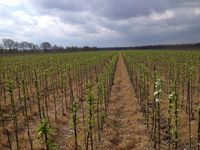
x: 114, y: 22
x: 125, y: 9
x: 112, y: 9
x: 65, y: 5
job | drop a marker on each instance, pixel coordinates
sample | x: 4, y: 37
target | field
x: 100, y: 100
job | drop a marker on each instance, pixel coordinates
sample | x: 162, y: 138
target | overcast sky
x: 101, y: 22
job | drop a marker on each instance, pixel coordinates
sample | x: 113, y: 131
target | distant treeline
x: 8, y: 46
x: 67, y: 49
x: 195, y: 46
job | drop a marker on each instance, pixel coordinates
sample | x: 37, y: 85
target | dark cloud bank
x: 124, y: 22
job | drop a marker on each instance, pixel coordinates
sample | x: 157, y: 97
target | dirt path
x: 124, y: 128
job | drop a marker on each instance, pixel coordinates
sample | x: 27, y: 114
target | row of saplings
x: 96, y: 112
x: 154, y: 117
x: 45, y: 130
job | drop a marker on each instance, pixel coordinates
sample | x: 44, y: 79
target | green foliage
x: 74, y: 119
x: 43, y: 129
x: 173, y: 112
x: 180, y: 80
x: 45, y: 76
x: 90, y: 104
x: 52, y: 145
x: 44, y: 132
x: 158, y: 89
x: 101, y: 97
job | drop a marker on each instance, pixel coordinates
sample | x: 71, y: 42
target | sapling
x: 38, y: 96
x: 46, y: 91
x: 176, y: 116
x: 83, y: 118
x: 189, y: 103
x: 100, y: 109
x: 62, y: 89
x: 75, y: 120
x: 198, y: 143
x: 70, y: 88
x: 157, y: 95
x: 170, y: 114
x: 147, y: 99
x: 44, y: 132
x: 198, y: 93
x: 54, y: 98
x: 10, y: 87
x: 19, y: 92
x: 28, y: 95
x: 4, y: 86
x: 90, y: 98
x: 173, y: 115
x: 4, y: 128
x: 26, y: 113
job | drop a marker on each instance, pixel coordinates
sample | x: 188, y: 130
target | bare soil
x: 125, y: 125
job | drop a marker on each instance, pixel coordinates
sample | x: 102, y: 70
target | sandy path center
x: 124, y: 128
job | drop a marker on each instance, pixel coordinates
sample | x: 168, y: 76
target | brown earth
x: 124, y: 128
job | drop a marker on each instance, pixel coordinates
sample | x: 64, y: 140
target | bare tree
x: 45, y: 46
x: 8, y: 44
